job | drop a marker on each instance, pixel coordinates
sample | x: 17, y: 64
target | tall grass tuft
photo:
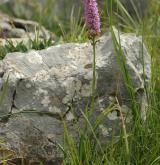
x: 138, y: 143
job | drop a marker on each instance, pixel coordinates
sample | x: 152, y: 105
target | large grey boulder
x: 55, y: 83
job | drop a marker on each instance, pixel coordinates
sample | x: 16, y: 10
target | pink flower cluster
x: 92, y: 18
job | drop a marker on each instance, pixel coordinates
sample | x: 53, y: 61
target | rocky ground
x: 45, y: 86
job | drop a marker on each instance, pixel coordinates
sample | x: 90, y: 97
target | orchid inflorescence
x: 92, y: 18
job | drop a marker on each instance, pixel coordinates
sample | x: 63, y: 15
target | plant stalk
x: 93, y: 74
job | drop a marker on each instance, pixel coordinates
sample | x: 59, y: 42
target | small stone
x: 17, y: 33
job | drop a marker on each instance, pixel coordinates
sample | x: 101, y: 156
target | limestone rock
x: 18, y: 30
x: 48, y: 85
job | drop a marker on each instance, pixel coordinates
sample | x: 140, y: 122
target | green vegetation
x: 36, y: 44
x: 138, y: 142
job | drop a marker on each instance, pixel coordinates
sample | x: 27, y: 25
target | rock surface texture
x: 55, y: 83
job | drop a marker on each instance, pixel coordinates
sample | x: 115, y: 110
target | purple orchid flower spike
x: 92, y: 18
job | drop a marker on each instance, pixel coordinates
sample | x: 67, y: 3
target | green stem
x: 94, y: 72
x: 124, y: 132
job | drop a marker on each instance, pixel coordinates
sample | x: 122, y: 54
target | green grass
x: 138, y: 142
x: 36, y: 44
